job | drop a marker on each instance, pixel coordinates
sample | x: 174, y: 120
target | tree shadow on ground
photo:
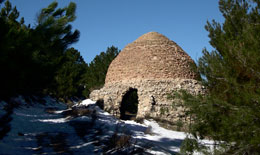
x: 6, y: 111
x: 106, y: 134
x: 112, y: 136
x: 165, y: 144
x: 57, y: 142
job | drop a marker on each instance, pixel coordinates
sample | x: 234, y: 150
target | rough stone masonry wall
x: 151, y: 59
x: 155, y: 66
x: 148, y: 92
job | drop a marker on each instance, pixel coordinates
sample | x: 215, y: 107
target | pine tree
x: 32, y: 59
x: 14, y: 58
x: 230, y: 111
x: 97, y: 69
x: 69, y: 76
x: 51, y: 38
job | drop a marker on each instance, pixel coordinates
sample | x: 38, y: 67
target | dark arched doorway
x: 129, y: 105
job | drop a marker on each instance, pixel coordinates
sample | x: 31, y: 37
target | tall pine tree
x: 51, y: 38
x: 14, y: 56
x: 68, y: 78
x: 33, y: 59
x: 230, y: 112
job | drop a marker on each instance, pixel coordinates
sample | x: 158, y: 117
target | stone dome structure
x: 151, y: 67
x: 151, y: 56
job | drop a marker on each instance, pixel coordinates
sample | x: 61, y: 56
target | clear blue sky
x: 104, y: 23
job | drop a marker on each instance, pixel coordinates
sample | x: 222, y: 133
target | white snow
x: 86, y: 103
x: 22, y: 114
x: 82, y: 145
x: 57, y: 120
x: 161, y: 141
x: 60, y: 111
x: 33, y: 148
x: 164, y: 141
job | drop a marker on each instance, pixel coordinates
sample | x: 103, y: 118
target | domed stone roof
x: 150, y: 68
x: 152, y: 56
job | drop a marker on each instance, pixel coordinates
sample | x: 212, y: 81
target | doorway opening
x: 129, y: 105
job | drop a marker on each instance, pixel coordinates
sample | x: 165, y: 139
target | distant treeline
x: 40, y: 60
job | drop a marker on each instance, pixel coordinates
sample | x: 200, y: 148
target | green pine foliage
x: 68, y: 78
x: 230, y: 112
x: 14, y: 57
x: 51, y: 38
x: 33, y: 59
x: 39, y: 60
x: 97, y: 69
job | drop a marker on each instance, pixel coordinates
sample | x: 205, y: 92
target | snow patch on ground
x: 164, y: 141
x: 82, y: 145
x: 82, y: 134
x: 161, y: 140
x: 60, y: 111
x: 86, y: 103
x: 57, y: 120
